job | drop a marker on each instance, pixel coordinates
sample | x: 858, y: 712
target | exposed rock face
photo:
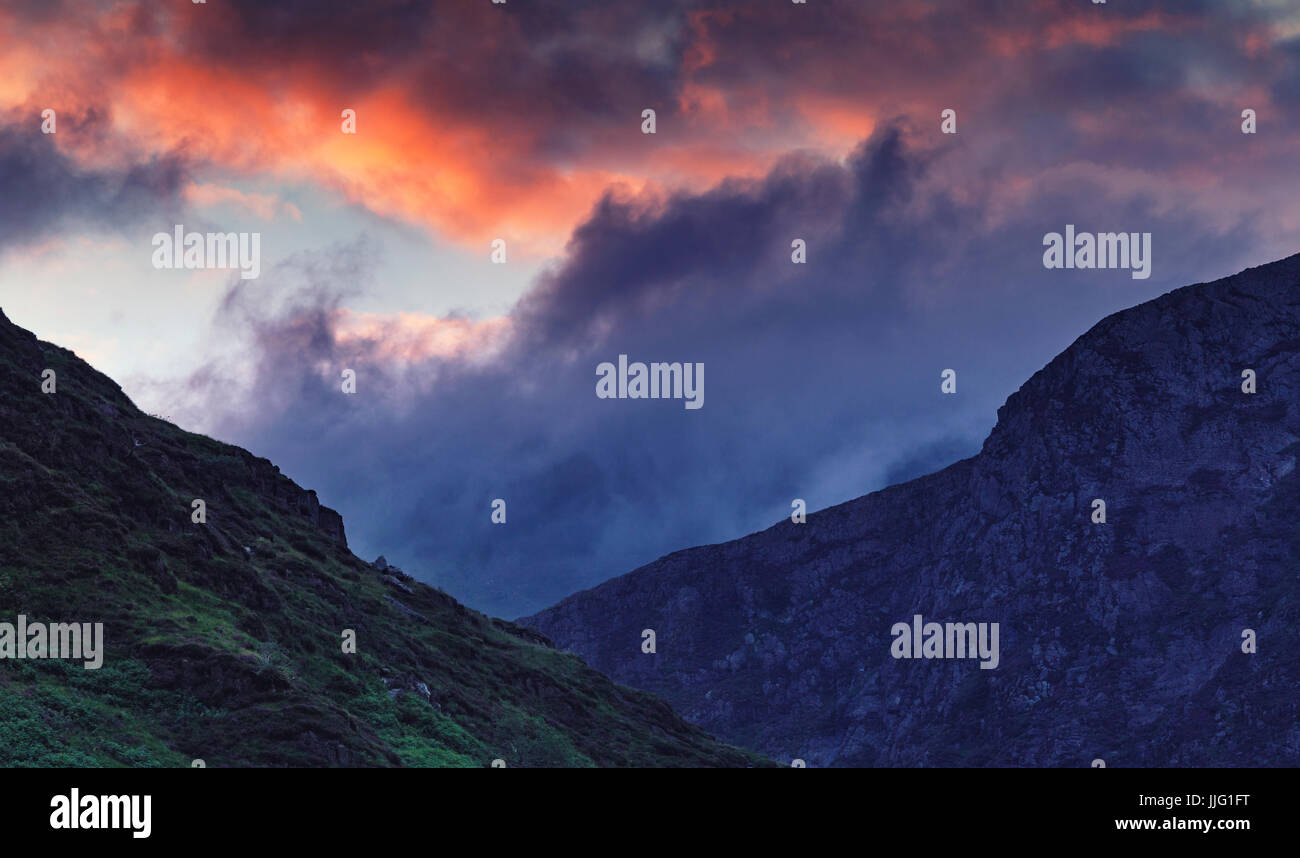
x: 1120, y: 641
x: 228, y: 640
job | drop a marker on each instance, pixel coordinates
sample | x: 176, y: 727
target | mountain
x: 224, y: 641
x: 1122, y: 641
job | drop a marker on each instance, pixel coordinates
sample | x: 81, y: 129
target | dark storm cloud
x: 565, y: 64
x: 44, y: 191
x: 565, y: 76
x: 821, y: 381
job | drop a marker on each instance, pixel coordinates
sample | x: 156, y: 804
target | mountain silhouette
x: 1125, y: 641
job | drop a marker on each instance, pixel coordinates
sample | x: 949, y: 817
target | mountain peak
x: 1127, y: 524
x: 1124, y: 358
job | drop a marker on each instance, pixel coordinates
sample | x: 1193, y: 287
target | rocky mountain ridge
x: 1120, y: 641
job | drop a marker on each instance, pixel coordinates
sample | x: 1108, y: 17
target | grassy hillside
x: 223, y: 640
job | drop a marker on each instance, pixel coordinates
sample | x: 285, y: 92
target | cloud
x: 265, y: 206
x: 46, y: 192
x: 483, y: 120
x: 822, y: 380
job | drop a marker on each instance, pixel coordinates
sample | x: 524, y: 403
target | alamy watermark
x: 1103, y: 250
x: 654, y: 381
x: 946, y: 640
x: 181, y: 249
x: 132, y: 812
x: 80, y: 641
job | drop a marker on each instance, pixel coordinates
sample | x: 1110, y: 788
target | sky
x: 523, y: 122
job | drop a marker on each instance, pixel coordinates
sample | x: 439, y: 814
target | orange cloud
x: 478, y: 165
x: 414, y: 337
x: 470, y: 179
x: 265, y: 206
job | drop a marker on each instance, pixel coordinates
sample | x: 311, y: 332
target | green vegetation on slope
x: 223, y: 640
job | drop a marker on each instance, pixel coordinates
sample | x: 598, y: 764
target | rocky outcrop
x: 1120, y: 640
